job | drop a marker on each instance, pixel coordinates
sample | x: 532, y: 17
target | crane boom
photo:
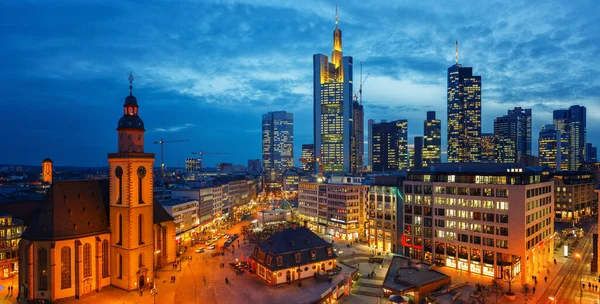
x: 362, y: 81
x: 162, y: 143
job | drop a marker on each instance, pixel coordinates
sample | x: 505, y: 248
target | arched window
x: 120, y: 230
x: 43, y: 268
x: 141, y: 229
x: 141, y: 260
x: 65, y: 267
x: 105, y: 265
x: 87, y: 260
x: 120, y: 267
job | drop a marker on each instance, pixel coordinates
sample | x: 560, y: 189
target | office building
x: 489, y: 219
x: 417, y: 155
x: 278, y: 145
x: 574, y: 195
x: 550, y: 148
x: 432, y: 140
x: 335, y: 207
x: 464, y: 114
x: 591, y: 153
x: 333, y: 107
x: 577, y: 137
x: 254, y: 165
x: 357, y: 161
x: 309, y: 164
x: 512, y: 135
x: 573, y: 123
x: 185, y: 215
x: 488, y: 149
x: 390, y: 146
x: 382, y: 214
x: 370, y: 145
x: 193, y: 164
x: 10, y: 233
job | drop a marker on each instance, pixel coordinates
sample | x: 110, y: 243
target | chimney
x: 293, y: 226
x: 306, y: 224
x: 280, y: 227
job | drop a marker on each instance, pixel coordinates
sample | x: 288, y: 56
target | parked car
x: 201, y: 250
x: 211, y: 247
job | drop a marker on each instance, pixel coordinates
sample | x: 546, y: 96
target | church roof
x: 290, y: 242
x: 71, y: 209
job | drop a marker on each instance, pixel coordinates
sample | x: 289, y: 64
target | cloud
x: 174, y: 129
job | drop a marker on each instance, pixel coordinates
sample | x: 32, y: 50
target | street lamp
x: 154, y: 261
x: 578, y: 257
x: 154, y: 292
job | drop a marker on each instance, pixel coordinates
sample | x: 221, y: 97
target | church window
x: 43, y: 268
x: 87, y: 260
x: 120, y: 267
x: 65, y: 267
x: 105, y: 258
x: 141, y: 228
x: 141, y: 260
x: 141, y: 174
x: 139, y: 137
x: 119, y: 175
x: 120, y: 230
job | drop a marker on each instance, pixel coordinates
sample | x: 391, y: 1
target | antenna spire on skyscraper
x: 456, y: 52
x: 336, y: 17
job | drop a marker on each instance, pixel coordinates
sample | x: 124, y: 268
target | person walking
x: 533, y: 289
x: 545, y: 279
x: 226, y: 280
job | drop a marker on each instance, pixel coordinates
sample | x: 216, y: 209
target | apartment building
x: 490, y: 219
x: 335, y: 207
x: 574, y: 195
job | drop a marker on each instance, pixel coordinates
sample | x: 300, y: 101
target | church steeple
x: 131, y: 127
x: 336, y: 55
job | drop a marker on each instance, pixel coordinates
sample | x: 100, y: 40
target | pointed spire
x: 336, y: 17
x: 130, y: 83
x: 456, y: 52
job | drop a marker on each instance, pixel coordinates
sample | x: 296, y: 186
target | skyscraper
x: 577, y: 136
x: 464, y: 114
x: 512, y: 134
x: 488, y: 152
x: 432, y: 140
x: 278, y: 145
x: 591, y: 153
x: 550, y: 148
x: 560, y: 119
x: 333, y: 110
x: 418, y: 153
x: 572, y: 122
x: 390, y: 146
x: 308, y: 157
x: 193, y: 164
x: 370, y: 147
x: 358, y: 137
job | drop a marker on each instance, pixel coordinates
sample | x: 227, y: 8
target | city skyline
x: 67, y: 65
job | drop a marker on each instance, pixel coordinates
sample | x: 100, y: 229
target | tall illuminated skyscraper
x: 390, y: 146
x: 464, y: 114
x: 512, y: 133
x: 591, y: 153
x: 370, y: 144
x: 577, y: 137
x: 550, y: 148
x: 572, y: 123
x: 357, y: 160
x: 432, y: 140
x: 333, y: 110
x: 308, y: 155
x: 278, y: 145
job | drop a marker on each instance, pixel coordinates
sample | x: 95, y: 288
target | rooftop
x: 175, y: 202
x: 403, y: 277
x: 478, y: 168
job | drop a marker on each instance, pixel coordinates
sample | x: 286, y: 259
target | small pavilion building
x: 292, y: 254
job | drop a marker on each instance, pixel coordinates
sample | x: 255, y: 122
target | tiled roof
x: 71, y: 209
x: 290, y: 242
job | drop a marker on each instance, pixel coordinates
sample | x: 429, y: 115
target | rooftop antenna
x: 456, y: 52
x: 336, y: 17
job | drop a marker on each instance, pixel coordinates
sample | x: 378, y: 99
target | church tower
x: 47, y: 170
x: 131, y: 199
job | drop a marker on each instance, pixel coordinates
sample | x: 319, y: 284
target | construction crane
x: 362, y: 81
x: 200, y: 153
x: 162, y: 143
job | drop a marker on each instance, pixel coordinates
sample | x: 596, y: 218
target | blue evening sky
x: 207, y: 70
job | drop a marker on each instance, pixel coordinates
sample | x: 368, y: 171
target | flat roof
x: 174, y: 202
x: 480, y: 168
x: 402, y: 277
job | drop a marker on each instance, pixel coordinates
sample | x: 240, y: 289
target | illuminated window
x: 105, y: 265
x: 87, y: 260
x: 65, y: 267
